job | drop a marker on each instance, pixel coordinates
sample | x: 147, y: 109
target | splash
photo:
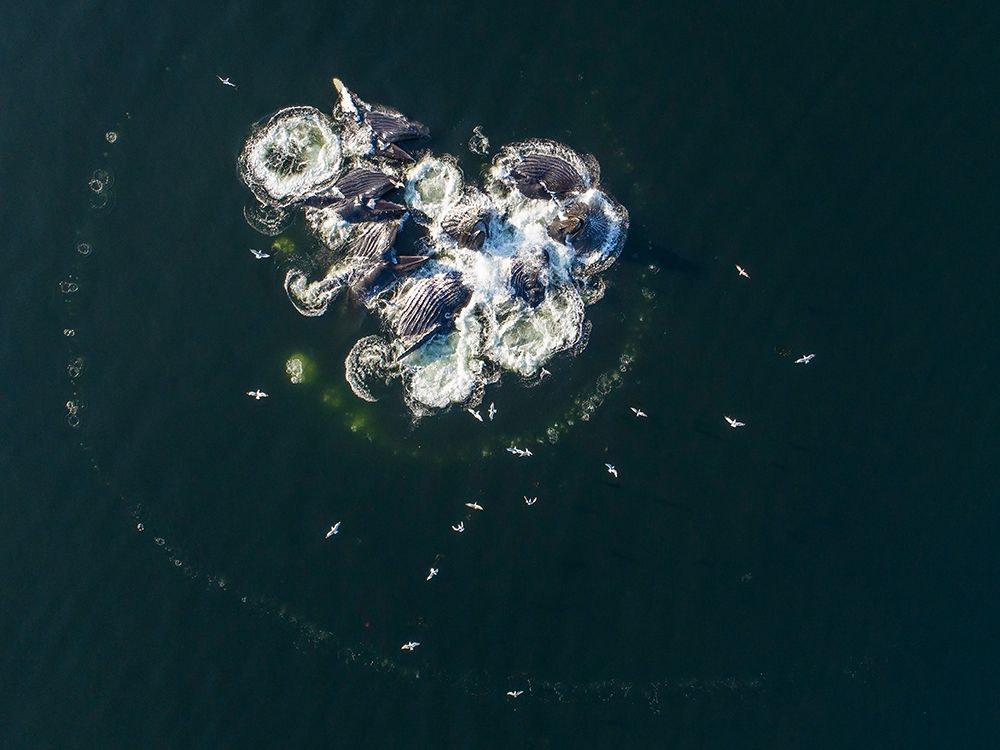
x: 499, y: 279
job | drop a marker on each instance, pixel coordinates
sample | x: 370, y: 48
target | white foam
x: 433, y: 185
x: 296, y: 153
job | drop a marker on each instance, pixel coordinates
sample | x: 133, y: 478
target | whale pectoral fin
x: 392, y: 151
x: 421, y: 340
x: 407, y: 263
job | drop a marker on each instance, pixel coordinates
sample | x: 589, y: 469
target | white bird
x: 460, y: 528
x: 259, y: 254
x: 543, y: 373
x: 514, y: 693
x: 474, y: 506
x: 257, y: 395
x: 433, y: 572
x: 335, y: 529
x: 529, y: 501
x: 492, y: 412
x: 476, y: 414
x: 409, y: 646
x: 805, y: 359
x: 734, y: 423
x: 742, y: 271
x: 638, y: 412
x: 612, y: 470
x: 226, y: 81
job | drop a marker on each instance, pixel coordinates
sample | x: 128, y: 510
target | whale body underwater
x: 500, y: 277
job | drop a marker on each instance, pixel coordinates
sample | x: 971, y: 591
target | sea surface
x: 825, y: 577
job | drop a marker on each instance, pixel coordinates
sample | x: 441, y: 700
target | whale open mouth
x: 507, y: 269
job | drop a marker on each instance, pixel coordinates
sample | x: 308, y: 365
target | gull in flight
x: 742, y: 271
x: 409, y: 646
x: 257, y: 395
x: 476, y: 414
x: 226, y: 81
x: 514, y: 693
x: 335, y: 529
x: 492, y: 412
x: 543, y: 373
x: 433, y: 572
x: 735, y: 423
x: 474, y: 506
x: 522, y: 452
x: 259, y: 254
x: 638, y: 412
x: 529, y: 501
x: 805, y: 359
x: 612, y: 470
x: 460, y: 528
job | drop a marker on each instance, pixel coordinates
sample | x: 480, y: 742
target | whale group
x: 497, y: 280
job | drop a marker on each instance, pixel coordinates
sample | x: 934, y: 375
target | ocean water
x: 823, y: 577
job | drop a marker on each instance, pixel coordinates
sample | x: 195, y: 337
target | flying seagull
x: 409, y: 646
x: 805, y: 359
x: 226, y: 81
x: 492, y: 412
x: 257, y: 395
x: 433, y: 572
x: 460, y: 528
x: 474, y: 506
x: 638, y: 412
x: 335, y: 529
x: 612, y: 470
x: 514, y: 693
x: 530, y: 501
x: 476, y: 414
x: 742, y: 271
x: 259, y: 254
x: 543, y: 373
x: 734, y: 423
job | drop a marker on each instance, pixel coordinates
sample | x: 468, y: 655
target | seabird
x: 530, y: 501
x: 612, y: 470
x: 805, y: 359
x: 514, y: 693
x: 433, y: 572
x: 476, y: 414
x: 257, y: 395
x: 638, y: 412
x: 474, y: 506
x: 492, y: 412
x: 259, y: 254
x: 409, y: 646
x: 734, y: 423
x: 742, y: 271
x: 460, y: 528
x: 543, y: 373
x: 226, y: 81
x: 335, y: 529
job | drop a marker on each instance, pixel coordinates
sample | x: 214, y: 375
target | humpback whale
x: 468, y: 225
x: 528, y: 277
x: 429, y: 307
x: 381, y: 128
x: 543, y: 176
x: 383, y: 275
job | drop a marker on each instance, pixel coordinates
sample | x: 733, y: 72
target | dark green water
x: 823, y: 578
